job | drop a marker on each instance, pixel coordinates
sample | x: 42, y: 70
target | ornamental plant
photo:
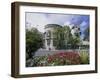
x: 60, y: 58
x: 64, y: 58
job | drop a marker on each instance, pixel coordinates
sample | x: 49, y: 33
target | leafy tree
x: 59, y: 37
x: 34, y: 41
x: 67, y: 34
x: 75, y: 40
x: 86, y: 32
x: 62, y: 37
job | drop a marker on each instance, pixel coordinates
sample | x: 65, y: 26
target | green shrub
x: 57, y: 59
x: 84, y: 56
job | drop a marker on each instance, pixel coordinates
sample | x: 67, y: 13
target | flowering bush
x: 57, y: 59
x: 65, y: 58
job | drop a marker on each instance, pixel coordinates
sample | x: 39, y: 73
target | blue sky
x: 39, y: 20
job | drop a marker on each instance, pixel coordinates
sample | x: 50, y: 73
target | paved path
x: 49, y: 52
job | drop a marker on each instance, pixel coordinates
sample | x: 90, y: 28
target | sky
x: 39, y: 20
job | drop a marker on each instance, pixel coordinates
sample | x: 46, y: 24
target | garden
x: 58, y: 59
x: 63, y: 40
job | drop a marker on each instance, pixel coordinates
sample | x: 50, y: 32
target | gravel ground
x: 50, y: 52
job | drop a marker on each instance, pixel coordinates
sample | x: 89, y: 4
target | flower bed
x: 66, y: 58
x: 58, y: 59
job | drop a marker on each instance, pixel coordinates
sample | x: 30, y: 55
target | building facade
x: 49, y: 35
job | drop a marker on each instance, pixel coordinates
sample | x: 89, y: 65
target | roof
x: 85, y: 43
x: 52, y: 25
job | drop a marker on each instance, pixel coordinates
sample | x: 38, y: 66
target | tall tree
x: 58, y: 37
x: 62, y: 36
x: 34, y: 41
x: 67, y: 34
x: 86, y: 33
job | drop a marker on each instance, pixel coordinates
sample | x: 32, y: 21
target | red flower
x: 73, y: 57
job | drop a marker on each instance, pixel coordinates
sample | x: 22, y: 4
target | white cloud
x: 67, y: 23
x: 39, y: 20
x: 83, y: 23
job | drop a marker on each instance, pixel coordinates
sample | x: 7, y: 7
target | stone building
x: 48, y: 36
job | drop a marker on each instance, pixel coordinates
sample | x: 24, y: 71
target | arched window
x: 48, y: 33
